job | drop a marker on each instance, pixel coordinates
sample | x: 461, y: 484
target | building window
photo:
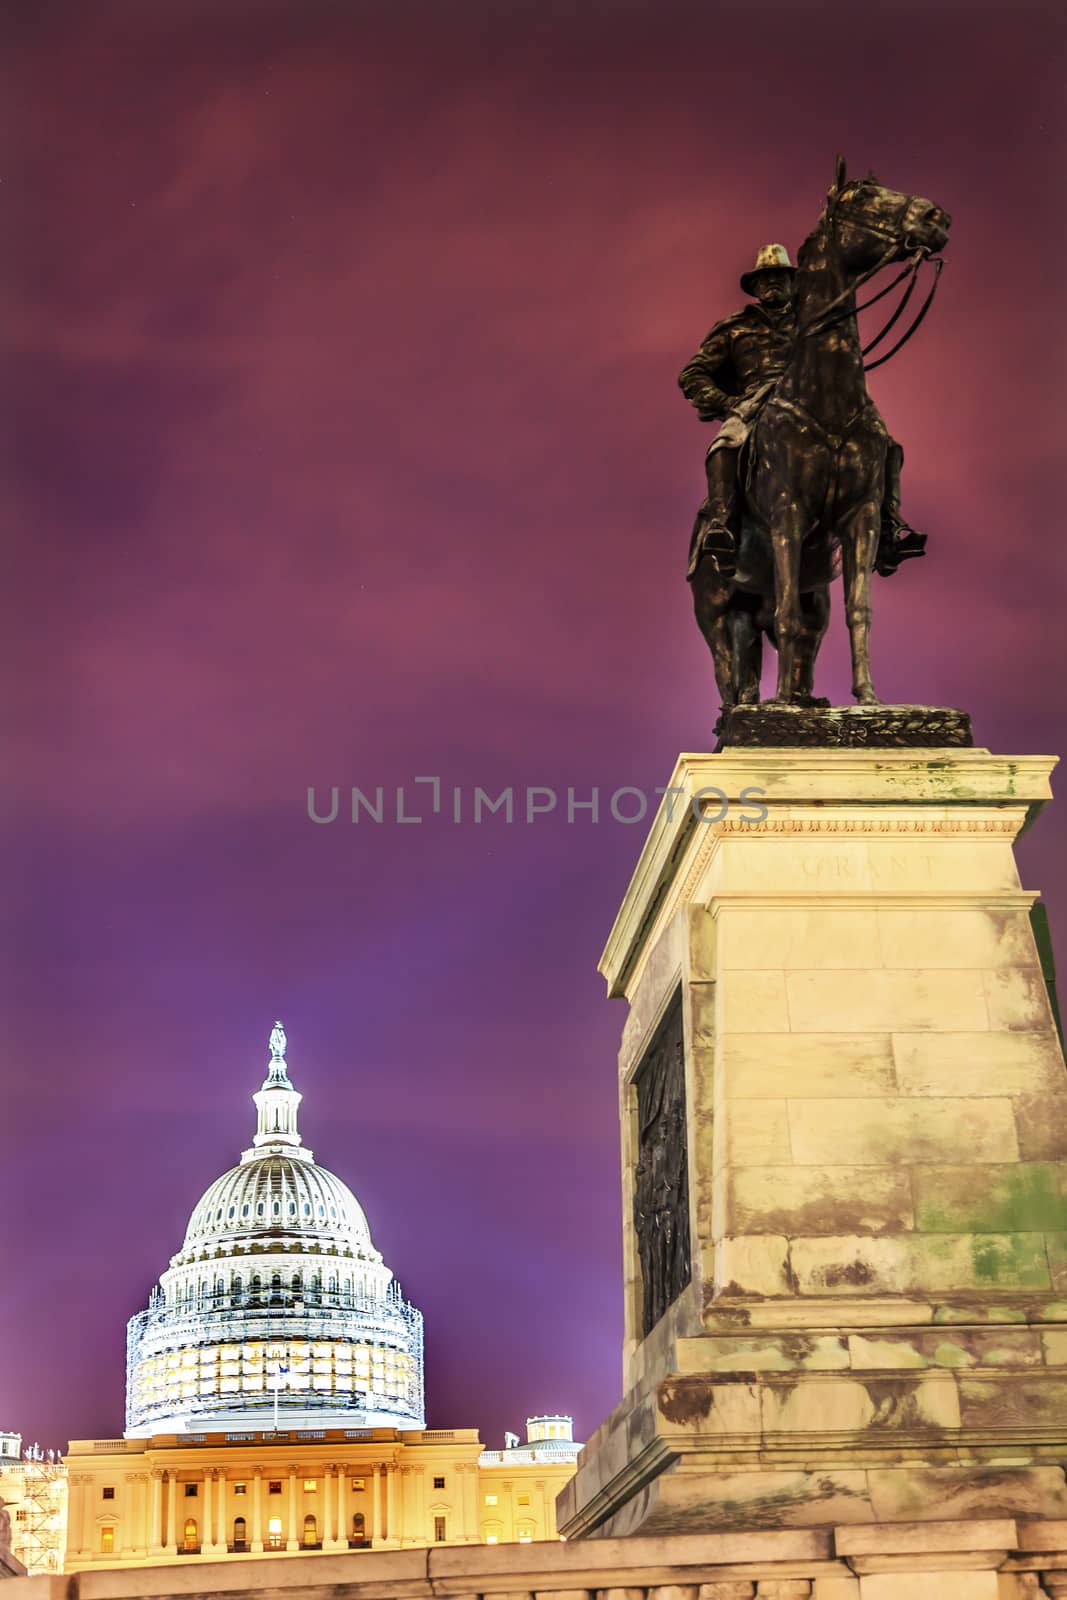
x: 107, y: 1541
x: 190, y: 1490
x: 490, y: 1499
x: 311, y: 1530
x: 274, y: 1533
x: 191, y: 1538
x: 438, y: 1483
x: 274, y: 1486
x: 108, y: 1492
x: 311, y: 1485
x: 240, y: 1533
x: 490, y: 1538
x: 524, y: 1500
x: 239, y: 1488
x: 359, y: 1483
x: 439, y: 1530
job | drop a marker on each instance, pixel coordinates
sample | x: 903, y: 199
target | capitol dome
x: 277, y: 1303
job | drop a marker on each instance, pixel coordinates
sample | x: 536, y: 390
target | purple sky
x: 344, y: 447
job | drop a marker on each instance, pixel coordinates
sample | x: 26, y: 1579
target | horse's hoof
x: 866, y: 697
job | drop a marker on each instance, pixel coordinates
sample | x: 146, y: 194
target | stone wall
x: 974, y: 1560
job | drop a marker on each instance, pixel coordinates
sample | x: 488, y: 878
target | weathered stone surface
x: 945, y: 1494
x: 806, y: 937
x: 804, y: 1066
x: 954, y: 937
x: 758, y: 1264
x: 882, y: 1132
x: 778, y: 1352
x: 809, y: 1200
x: 1041, y: 1121
x: 950, y: 1348
x: 847, y: 727
x: 1026, y: 1399
x: 754, y: 1002
x: 1017, y: 998
x: 919, y: 1263
x: 755, y: 1134
x: 1024, y: 1197
x: 904, y: 999
x: 1022, y: 1063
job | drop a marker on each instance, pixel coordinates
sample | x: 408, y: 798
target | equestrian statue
x: 803, y: 476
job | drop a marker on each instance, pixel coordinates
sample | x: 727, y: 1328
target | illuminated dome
x: 277, y: 1301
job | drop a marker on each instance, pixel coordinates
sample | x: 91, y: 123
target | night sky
x: 344, y: 446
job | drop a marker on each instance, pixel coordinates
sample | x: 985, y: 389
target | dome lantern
x: 277, y: 1104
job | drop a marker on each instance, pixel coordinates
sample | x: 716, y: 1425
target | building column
x: 376, y: 1531
x: 214, y: 1485
x: 329, y: 1512
x: 292, y: 1543
x: 155, y: 1530
x: 342, y: 1506
x: 257, y: 1512
x: 471, y: 1528
x: 171, y: 1544
x: 392, y: 1525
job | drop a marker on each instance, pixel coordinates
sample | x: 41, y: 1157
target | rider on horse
x: 728, y: 380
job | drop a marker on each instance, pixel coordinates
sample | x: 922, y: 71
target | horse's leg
x: 787, y: 536
x: 711, y: 602
x: 814, y: 619
x: 747, y: 642
x: 859, y: 542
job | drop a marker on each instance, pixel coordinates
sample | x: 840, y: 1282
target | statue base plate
x: 847, y: 727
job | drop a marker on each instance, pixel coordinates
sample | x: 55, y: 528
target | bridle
x: 839, y: 309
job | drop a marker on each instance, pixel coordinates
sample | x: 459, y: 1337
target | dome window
x: 333, y: 1212
x: 259, y: 1209
x: 277, y: 1208
x: 292, y: 1208
x: 231, y: 1213
x: 307, y: 1209
x: 244, y: 1209
x: 322, y: 1211
x: 218, y: 1215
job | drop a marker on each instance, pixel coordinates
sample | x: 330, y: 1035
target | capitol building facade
x: 275, y: 1394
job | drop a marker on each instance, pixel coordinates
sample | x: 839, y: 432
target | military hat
x: 772, y: 258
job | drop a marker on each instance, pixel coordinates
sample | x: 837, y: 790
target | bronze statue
x: 803, y: 470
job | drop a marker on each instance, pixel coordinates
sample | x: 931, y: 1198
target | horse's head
x: 870, y: 223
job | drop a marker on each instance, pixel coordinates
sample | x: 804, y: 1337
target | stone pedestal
x: 841, y: 1076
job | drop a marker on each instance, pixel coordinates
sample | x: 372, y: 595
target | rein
x: 838, y: 309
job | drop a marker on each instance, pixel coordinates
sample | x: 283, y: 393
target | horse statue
x: 814, y: 467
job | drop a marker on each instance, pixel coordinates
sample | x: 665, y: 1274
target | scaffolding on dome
x: 274, y: 1325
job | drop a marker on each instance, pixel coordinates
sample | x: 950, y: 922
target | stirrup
x: 898, y: 542
x: 718, y: 542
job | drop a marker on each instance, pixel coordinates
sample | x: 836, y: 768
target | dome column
x: 214, y: 1503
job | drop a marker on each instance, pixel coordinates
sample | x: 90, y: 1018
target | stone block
x: 1021, y: 1063
x: 1054, y: 1346
x: 1017, y: 1400
x: 817, y: 1405
x: 728, y: 1589
x: 836, y: 1589
x: 702, y: 1405
x: 814, y: 1200
x: 962, y: 1494
x: 1041, y: 1124
x: 770, y: 1352
x: 884, y: 1132
x: 758, y: 1264
x: 754, y: 1002
x: 808, y: 937
x: 949, y: 1348
x: 807, y: 1065
x: 919, y: 1263
x: 934, y: 1583
x: 954, y: 937
x: 1056, y: 1250
x: 1025, y: 1197
x: 1017, y: 998
x: 880, y: 1000
x: 754, y: 1133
